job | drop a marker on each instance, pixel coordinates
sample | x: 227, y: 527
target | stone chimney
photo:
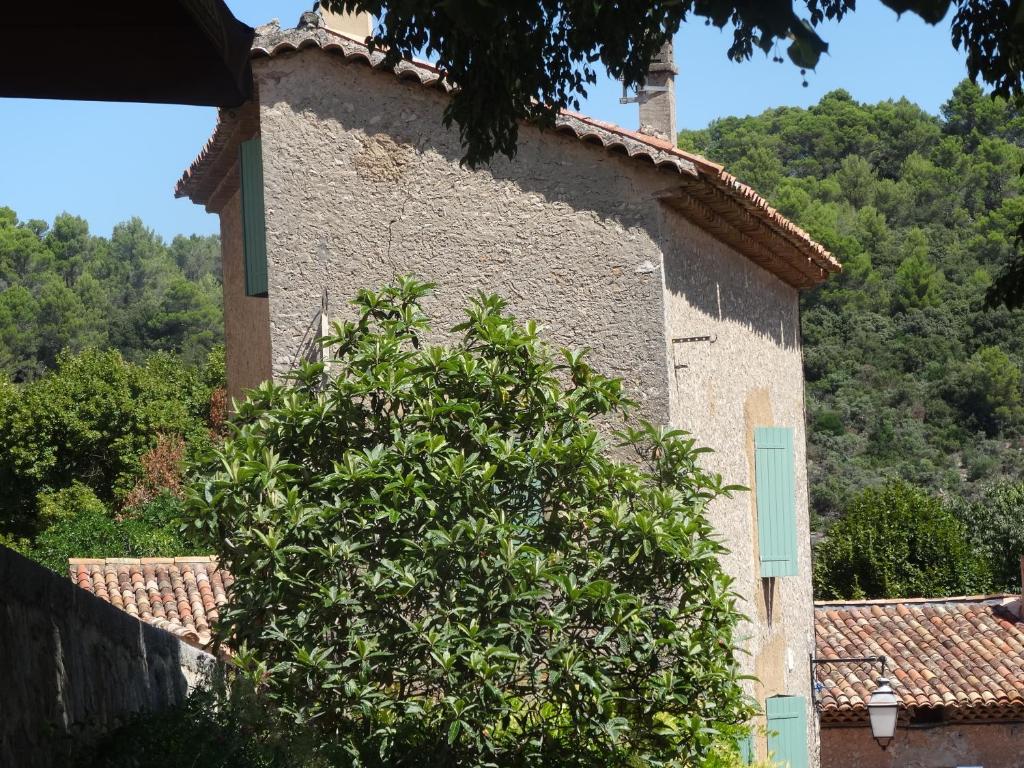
x: 355, y: 25
x: 657, y: 96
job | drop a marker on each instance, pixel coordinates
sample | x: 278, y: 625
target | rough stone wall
x: 362, y: 184
x: 987, y: 745
x: 73, y: 666
x: 356, y: 166
x: 750, y: 376
x: 246, y: 318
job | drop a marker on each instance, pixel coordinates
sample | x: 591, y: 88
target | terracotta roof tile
x: 965, y: 654
x: 709, y: 196
x: 181, y: 594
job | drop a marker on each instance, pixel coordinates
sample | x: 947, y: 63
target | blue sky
x: 108, y: 162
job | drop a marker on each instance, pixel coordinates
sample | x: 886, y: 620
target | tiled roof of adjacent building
x: 708, y: 195
x: 181, y: 594
x: 960, y: 657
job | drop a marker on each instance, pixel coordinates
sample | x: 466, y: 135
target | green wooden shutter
x: 254, y: 228
x: 775, y: 479
x: 746, y: 748
x: 787, y: 731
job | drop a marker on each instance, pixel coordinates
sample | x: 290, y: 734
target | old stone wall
x: 951, y: 745
x: 73, y: 666
x: 750, y: 375
x: 363, y: 185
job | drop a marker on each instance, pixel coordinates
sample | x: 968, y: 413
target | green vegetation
x: 65, y: 290
x: 995, y: 528
x: 96, y: 419
x: 898, y: 541
x: 908, y: 376
x: 111, y: 379
x: 437, y: 562
x: 92, y: 454
x: 210, y: 729
x: 238, y: 730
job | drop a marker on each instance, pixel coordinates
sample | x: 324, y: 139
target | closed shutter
x: 787, y: 731
x: 254, y: 228
x: 775, y: 479
x: 746, y: 749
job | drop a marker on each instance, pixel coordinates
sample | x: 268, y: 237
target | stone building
x: 339, y: 175
x: 957, y: 666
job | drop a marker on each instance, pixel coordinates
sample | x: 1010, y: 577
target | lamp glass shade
x: 883, y: 708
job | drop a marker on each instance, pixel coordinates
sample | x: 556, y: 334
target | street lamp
x: 883, y: 705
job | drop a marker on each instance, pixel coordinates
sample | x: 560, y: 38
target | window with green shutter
x: 787, y: 731
x: 775, y: 480
x: 254, y: 228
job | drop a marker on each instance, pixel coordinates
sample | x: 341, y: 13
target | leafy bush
x: 439, y: 562
x: 209, y: 729
x: 92, y: 421
x: 239, y: 731
x: 898, y: 541
x: 82, y: 527
x: 995, y: 526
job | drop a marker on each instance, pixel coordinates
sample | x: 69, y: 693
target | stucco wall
x: 750, y: 376
x: 356, y: 166
x: 72, y: 665
x: 246, y: 318
x: 988, y: 745
x: 362, y: 184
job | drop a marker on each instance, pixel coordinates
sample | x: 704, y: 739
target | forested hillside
x: 111, y: 381
x: 63, y: 288
x: 908, y: 376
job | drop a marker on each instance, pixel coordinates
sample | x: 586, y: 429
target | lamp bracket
x: 883, y: 741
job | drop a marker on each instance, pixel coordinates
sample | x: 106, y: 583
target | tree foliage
x: 995, y: 528
x: 898, y: 541
x: 78, y: 524
x: 907, y: 375
x: 92, y: 453
x: 437, y: 560
x: 529, y: 58
x: 64, y: 289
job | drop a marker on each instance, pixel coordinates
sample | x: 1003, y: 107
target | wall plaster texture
x: 246, y: 318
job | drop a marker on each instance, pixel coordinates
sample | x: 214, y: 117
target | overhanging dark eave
x: 170, y: 52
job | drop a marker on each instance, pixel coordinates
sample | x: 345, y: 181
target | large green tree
x: 438, y: 561
x: 64, y: 289
x: 995, y: 528
x: 898, y: 541
x: 91, y: 424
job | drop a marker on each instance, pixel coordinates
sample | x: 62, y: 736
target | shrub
x: 897, y: 541
x: 995, y: 526
x: 208, y: 729
x: 439, y: 562
x: 91, y: 421
x: 81, y: 526
x: 162, y: 468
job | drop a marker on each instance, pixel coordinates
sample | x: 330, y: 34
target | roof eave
x: 708, y: 195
